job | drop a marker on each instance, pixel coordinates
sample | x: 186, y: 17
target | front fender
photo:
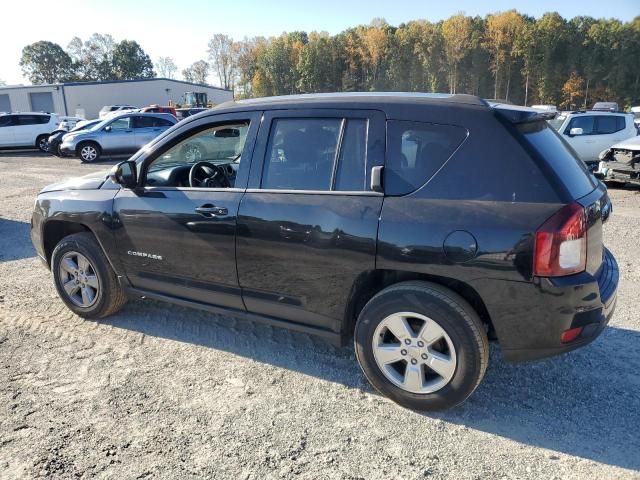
x: 91, y: 209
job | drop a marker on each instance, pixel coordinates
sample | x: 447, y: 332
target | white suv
x: 29, y: 129
x: 589, y: 133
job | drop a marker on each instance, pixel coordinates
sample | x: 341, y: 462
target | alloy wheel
x: 414, y: 352
x: 79, y: 279
x: 88, y: 153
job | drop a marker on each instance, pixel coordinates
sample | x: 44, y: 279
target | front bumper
x: 581, y: 300
x: 67, y: 149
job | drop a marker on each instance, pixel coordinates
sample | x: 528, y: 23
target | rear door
x: 144, y: 128
x: 28, y: 128
x: 308, y: 222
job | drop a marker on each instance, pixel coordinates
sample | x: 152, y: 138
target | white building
x: 85, y: 99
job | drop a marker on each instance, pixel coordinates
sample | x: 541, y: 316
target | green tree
x: 46, y: 62
x: 223, y: 54
x: 93, y: 58
x: 130, y: 62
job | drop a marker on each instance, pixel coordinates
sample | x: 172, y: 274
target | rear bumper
x: 583, y: 300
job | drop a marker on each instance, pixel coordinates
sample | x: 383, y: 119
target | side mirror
x: 575, y: 131
x: 107, y: 128
x: 125, y: 174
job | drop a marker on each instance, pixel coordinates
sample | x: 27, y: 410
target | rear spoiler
x: 517, y: 114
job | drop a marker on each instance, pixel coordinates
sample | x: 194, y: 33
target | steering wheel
x: 206, y: 174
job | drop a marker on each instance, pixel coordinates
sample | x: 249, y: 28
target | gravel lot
x: 159, y: 391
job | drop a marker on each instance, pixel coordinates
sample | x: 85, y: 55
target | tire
x: 42, y: 143
x: 98, y: 276
x: 89, y: 152
x: 461, y: 351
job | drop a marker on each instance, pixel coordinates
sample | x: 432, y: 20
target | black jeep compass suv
x: 419, y: 225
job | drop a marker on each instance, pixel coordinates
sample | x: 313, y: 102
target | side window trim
x: 336, y: 157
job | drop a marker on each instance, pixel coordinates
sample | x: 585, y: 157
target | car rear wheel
x: 42, y: 143
x: 421, y: 345
x: 85, y: 281
x: 89, y: 152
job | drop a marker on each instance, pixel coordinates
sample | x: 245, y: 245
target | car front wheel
x: 89, y: 152
x: 421, y: 345
x: 85, y: 281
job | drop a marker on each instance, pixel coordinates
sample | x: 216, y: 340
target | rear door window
x: 143, y: 122
x: 161, y: 122
x: 607, y: 124
x: 351, y: 170
x: 416, y: 151
x: 301, y: 153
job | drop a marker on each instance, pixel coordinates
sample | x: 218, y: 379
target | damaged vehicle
x: 620, y: 163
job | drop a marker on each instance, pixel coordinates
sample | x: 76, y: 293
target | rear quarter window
x: 559, y: 156
x: 416, y: 151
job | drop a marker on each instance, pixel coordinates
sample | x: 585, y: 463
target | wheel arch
x: 371, y: 282
x: 55, y: 230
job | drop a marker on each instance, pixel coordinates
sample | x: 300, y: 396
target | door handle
x: 209, y: 210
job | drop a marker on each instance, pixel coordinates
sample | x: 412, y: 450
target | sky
x: 181, y: 29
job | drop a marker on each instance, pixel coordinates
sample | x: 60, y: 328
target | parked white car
x: 621, y: 162
x: 589, y: 133
x: 109, y: 110
x: 636, y: 116
x: 28, y: 129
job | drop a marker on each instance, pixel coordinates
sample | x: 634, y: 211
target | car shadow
x: 15, y: 243
x: 584, y: 403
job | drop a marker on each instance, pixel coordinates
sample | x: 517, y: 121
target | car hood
x: 93, y: 181
x: 632, y: 143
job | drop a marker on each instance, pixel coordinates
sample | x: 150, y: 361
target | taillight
x: 561, y: 243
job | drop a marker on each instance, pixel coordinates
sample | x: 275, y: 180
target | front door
x: 307, y: 225
x: 7, y: 127
x: 118, y: 136
x: 585, y: 145
x: 176, y: 233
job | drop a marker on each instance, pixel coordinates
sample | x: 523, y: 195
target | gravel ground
x: 159, y: 391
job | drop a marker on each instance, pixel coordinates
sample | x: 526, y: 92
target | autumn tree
x: 456, y: 31
x: 502, y: 31
x: 572, y: 91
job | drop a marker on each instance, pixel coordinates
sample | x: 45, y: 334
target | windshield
x: 84, y: 126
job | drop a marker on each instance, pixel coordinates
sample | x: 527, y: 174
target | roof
x: 104, y: 82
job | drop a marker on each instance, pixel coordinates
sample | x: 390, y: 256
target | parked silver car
x: 121, y: 134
